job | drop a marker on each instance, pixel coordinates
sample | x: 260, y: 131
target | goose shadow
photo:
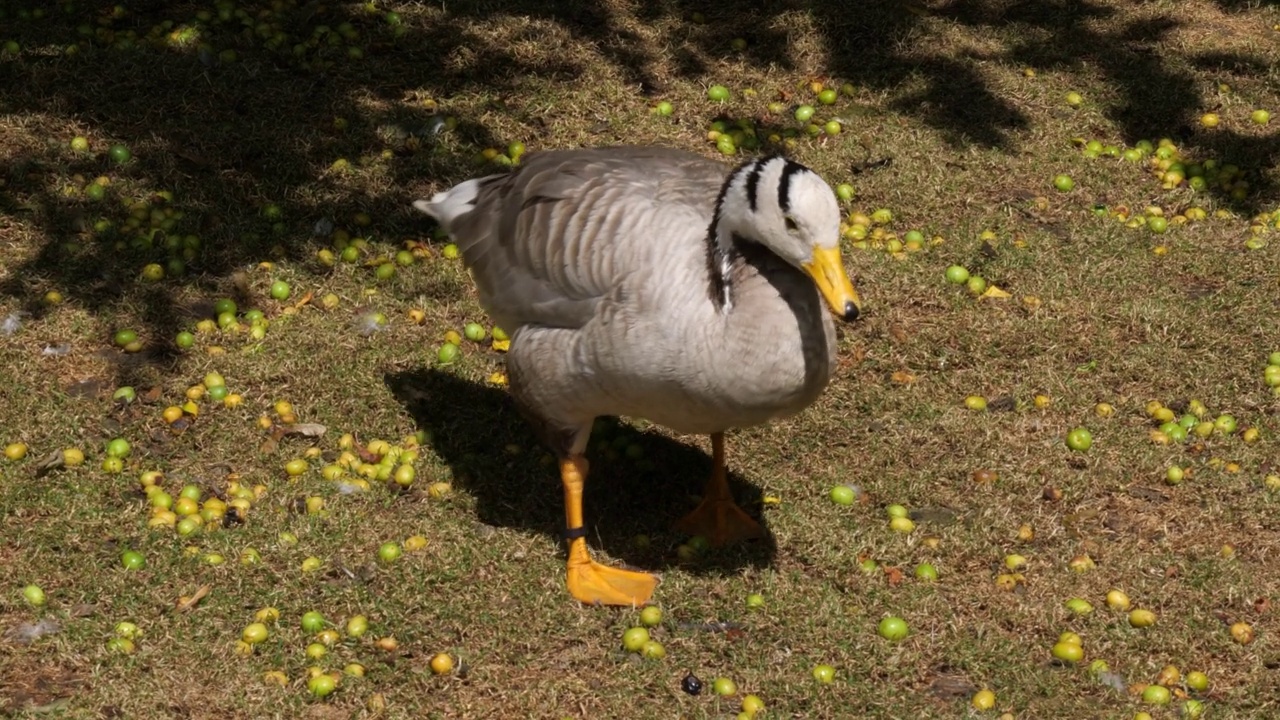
x: 640, y: 482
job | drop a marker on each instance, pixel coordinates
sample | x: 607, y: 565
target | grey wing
x: 548, y: 243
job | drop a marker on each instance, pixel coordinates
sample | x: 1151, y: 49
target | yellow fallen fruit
x: 994, y: 292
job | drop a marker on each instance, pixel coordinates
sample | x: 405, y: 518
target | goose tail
x: 449, y: 205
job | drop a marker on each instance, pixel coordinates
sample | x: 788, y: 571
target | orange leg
x: 588, y: 580
x: 717, y: 517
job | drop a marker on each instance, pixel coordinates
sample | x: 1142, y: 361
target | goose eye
x: 791, y: 224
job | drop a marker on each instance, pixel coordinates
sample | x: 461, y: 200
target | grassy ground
x: 261, y: 134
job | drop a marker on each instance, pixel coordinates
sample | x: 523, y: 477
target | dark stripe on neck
x: 717, y: 282
x: 784, y: 184
x: 753, y: 182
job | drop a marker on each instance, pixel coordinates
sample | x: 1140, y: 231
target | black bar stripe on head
x: 784, y: 184
x: 753, y: 182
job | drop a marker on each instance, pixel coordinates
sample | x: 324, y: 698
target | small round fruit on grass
x: 254, y: 633
x: 33, y: 595
x: 926, y: 572
x: 132, y: 560
x: 118, y: 448
x: 280, y: 290
x: 312, y: 621
x: 1260, y: 116
x: 1142, y: 618
x: 404, y: 475
x: 357, y: 626
x: 1156, y: 695
x: 1225, y: 424
x: 717, y: 93
x: 651, y: 616
x: 322, y: 685
x: 1074, y: 99
x: 843, y: 495
x: 447, y: 353
x: 983, y: 700
x: 389, y: 552
x: 15, y: 451
x: 893, y: 628
x: 1064, y: 183
x: 1117, y: 600
x: 1242, y: 632
x: 1079, y: 439
x: 124, y: 337
x: 845, y: 192
x: 633, y: 640
x: 1067, y: 652
x: 474, y: 332
x: 755, y: 601
x: 1197, y: 681
x: 957, y: 275
x: 152, y: 272
x: 653, y: 650
x: 824, y: 673
x: 185, y: 340
x: 124, y: 646
x: 724, y: 687
x: 119, y: 154
x: 441, y: 664
x: 1079, y: 606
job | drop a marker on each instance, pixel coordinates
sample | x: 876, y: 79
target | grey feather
x: 597, y: 262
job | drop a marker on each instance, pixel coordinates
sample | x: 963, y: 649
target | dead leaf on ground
x: 950, y: 686
x: 312, y: 430
x: 893, y: 576
x: 186, y: 602
x: 934, y: 515
x: 52, y: 461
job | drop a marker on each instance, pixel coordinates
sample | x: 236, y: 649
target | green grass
x: 958, y: 125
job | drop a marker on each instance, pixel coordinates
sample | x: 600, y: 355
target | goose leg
x: 717, y: 517
x: 588, y: 580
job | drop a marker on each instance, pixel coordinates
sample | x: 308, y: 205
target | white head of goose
x: 654, y: 283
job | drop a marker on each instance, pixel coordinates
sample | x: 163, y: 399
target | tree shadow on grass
x: 233, y: 135
x: 640, y: 482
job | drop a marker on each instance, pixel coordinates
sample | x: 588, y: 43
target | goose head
x: 790, y: 210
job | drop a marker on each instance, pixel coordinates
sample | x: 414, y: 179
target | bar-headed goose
x: 654, y: 283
